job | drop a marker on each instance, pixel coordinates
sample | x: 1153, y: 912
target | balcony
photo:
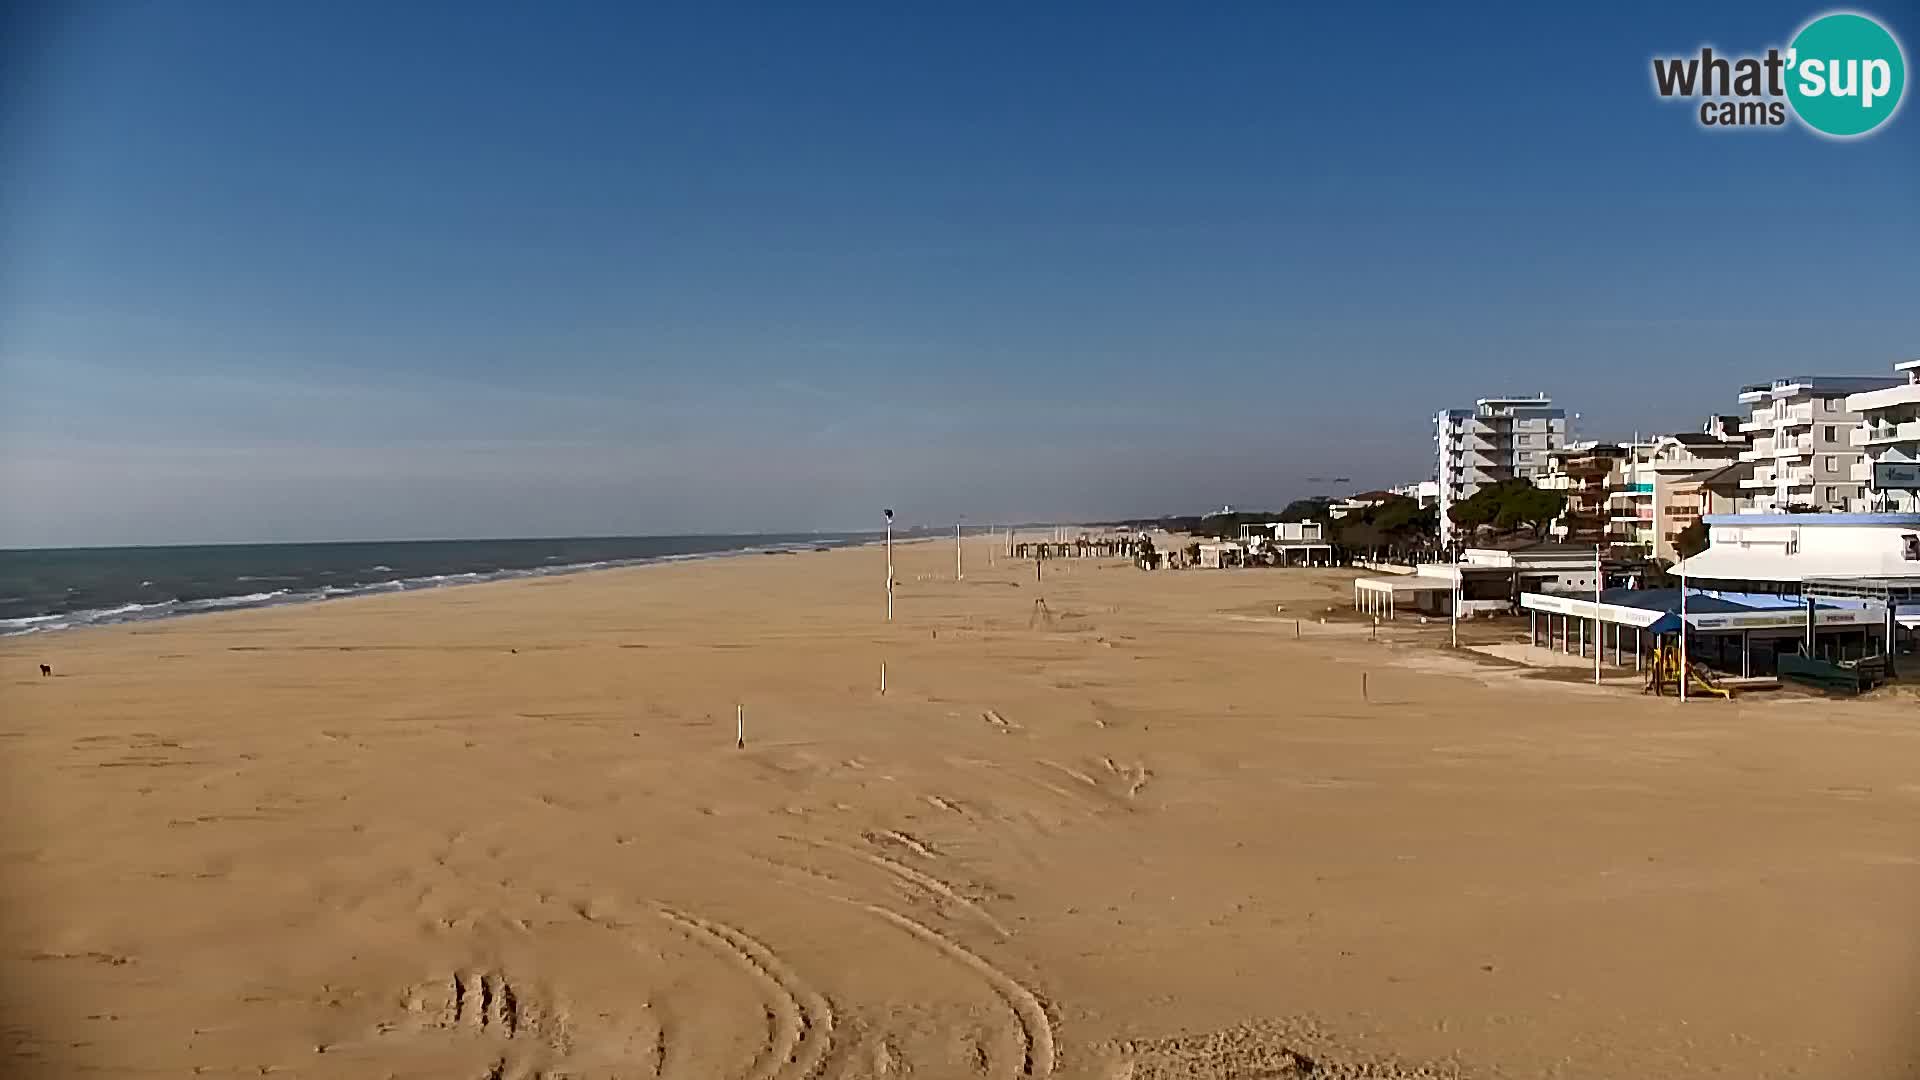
x: 1800, y: 478
x: 1761, y: 418
x: 1797, y: 447
x: 1794, y: 416
x: 1872, y: 434
x: 1757, y: 483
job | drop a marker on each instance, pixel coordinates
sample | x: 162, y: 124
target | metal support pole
x: 1810, y: 638
x: 1683, y: 630
x: 1893, y: 634
x: 1599, y: 575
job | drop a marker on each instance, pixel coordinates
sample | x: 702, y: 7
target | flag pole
x: 1599, y: 574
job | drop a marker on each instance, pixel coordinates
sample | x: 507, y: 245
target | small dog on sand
x: 45, y: 671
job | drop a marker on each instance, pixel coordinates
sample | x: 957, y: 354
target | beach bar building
x: 1781, y: 553
x: 1740, y: 633
x: 1833, y: 586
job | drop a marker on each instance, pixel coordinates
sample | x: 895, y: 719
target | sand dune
x: 1137, y: 831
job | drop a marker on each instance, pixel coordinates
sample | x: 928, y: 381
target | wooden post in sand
x: 883, y: 676
x: 1363, y: 687
x: 739, y: 727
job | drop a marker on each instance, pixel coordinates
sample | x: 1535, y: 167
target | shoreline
x: 172, y: 610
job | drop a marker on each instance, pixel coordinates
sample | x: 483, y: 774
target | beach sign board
x: 1896, y: 476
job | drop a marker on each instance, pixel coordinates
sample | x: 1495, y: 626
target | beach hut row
x: 1101, y: 547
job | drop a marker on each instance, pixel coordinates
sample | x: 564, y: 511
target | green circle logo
x: 1845, y: 74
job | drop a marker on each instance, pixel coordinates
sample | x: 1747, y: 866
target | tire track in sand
x: 1036, y: 1031
x: 800, y: 1017
x: 940, y: 889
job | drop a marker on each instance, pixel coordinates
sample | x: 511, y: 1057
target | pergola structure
x: 1377, y: 596
x: 1893, y: 593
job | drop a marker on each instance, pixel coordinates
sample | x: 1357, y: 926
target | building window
x: 1831, y: 467
x: 1830, y: 436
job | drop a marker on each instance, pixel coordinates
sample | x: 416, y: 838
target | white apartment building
x: 1888, y: 438
x: 1802, y: 451
x: 1500, y: 438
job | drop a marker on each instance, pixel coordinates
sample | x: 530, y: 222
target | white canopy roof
x: 1405, y: 583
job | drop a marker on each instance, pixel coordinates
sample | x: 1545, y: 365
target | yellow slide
x: 1664, y: 675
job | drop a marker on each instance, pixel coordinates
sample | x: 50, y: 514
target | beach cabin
x: 1222, y: 554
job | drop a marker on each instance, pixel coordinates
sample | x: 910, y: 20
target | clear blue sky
x: 279, y: 271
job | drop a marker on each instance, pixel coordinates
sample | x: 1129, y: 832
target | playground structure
x: 1663, y: 673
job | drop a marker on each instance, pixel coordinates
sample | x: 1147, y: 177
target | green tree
x: 1474, y: 511
x: 1314, y: 509
x: 1691, y: 540
x: 1397, y: 516
x: 1356, y: 533
x: 1535, y: 508
x: 1509, y: 506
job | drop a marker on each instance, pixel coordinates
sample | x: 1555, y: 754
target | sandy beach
x: 1110, y: 824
